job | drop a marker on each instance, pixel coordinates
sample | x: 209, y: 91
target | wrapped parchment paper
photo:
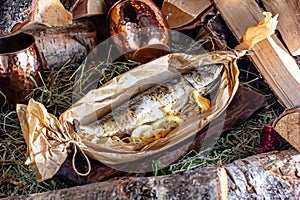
x: 49, y: 138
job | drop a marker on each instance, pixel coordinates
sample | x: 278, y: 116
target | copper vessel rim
x: 113, y: 6
x: 25, y: 46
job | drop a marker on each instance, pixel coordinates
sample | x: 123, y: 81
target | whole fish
x: 175, y: 98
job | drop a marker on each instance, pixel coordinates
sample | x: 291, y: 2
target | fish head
x: 205, y: 77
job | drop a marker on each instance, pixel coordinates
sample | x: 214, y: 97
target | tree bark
x: 272, y: 175
x: 13, y: 12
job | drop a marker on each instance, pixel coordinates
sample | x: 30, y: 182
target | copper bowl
x: 139, y: 29
x: 19, y: 66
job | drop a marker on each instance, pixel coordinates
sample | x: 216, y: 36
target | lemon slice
x: 155, y: 131
x: 142, y: 131
x: 167, y: 122
x: 157, y: 134
x: 203, y: 103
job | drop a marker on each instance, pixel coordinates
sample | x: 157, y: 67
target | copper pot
x: 139, y: 29
x: 19, y: 66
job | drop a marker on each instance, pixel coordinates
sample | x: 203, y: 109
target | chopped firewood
x: 32, y: 14
x: 51, y: 13
x: 273, y: 175
x: 62, y: 44
x: 288, y: 126
x: 289, y: 19
x: 197, y: 21
x: 278, y: 68
x: 180, y: 13
x: 86, y: 8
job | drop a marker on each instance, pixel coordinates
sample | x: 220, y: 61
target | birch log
x: 273, y: 175
x: 60, y: 45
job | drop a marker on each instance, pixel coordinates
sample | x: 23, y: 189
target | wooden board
x: 273, y: 175
x: 278, y: 68
x: 245, y: 103
x: 289, y: 20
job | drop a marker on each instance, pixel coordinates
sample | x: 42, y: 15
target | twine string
x: 76, y: 147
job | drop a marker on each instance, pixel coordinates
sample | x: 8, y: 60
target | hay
x: 17, y: 178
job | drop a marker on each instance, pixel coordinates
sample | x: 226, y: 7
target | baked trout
x: 155, y: 112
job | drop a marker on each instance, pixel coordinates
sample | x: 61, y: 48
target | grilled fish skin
x: 172, y: 97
